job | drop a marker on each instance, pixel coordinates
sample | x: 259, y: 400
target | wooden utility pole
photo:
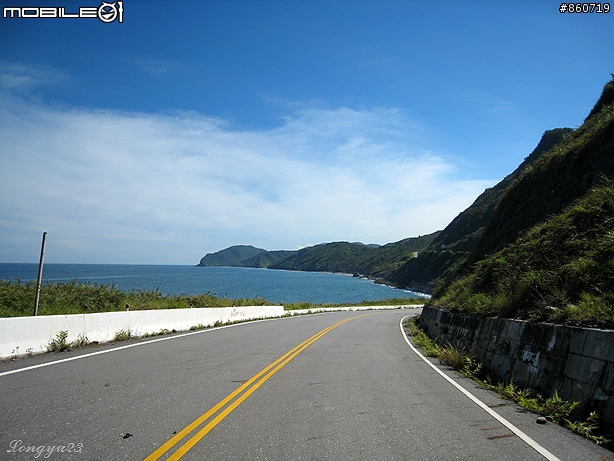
x: 40, y: 275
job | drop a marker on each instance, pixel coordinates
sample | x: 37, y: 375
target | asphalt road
x: 335, y: 386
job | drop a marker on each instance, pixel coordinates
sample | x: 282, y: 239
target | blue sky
x: 193, y: 126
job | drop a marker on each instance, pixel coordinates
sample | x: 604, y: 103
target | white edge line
x: 142, y: 343
x: 532, y: 443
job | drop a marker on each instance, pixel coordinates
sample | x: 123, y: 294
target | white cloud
x: 122, y: 187
x: 21, y: 77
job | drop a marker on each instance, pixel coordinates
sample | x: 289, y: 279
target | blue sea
x: 232, y: 282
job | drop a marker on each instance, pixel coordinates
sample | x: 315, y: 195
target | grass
x: 74, y: 297
x: 428, y: 346
x: 123, y: 335
x: 553, y: 408
x: 560, y: 271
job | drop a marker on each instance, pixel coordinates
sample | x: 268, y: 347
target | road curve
x: 338, y: 386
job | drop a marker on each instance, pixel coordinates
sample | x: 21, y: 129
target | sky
x: 192, y: 126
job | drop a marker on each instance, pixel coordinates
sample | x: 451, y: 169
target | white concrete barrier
x: 24, y: 335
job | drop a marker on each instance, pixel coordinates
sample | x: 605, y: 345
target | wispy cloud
x: 131, y: 187
x: 156, y: 67
x: 20, y: 78
x: 488, y: 106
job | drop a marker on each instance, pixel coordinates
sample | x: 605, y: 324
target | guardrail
x: 31, y: 335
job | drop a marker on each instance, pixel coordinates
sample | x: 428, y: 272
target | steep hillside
x: 566, y: 173
x: 266, y: 258
x: 388, y: 258
x: 561, y: 270
x: 549, y: 249
x: 452, y: 247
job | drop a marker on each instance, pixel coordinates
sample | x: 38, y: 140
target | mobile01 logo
x: 106, y: 12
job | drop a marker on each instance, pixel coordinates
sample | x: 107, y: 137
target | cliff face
x: 548, y: 253
x: 565, y: 174
x: 450, y: 250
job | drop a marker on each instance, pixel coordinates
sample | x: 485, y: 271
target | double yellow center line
x: 233, y: 400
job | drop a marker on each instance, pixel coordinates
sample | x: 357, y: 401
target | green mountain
x: 388, y: 258
x: 548, y: 252
x: 327, y: 257
x: 376, y: 262
x: 449, y: 251
x: 266, y: 258
x: 373, y: 261
x: 243, y: 256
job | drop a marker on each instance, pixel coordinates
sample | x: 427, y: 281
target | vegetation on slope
x: 231, y: 257
x: 266, y: 258
x: 561, y: 270
x: 548, y: 253
x: 373, y: 261
x: 328, y: 257
x: 559, y: 177
x: 356, y: 258
x: 244, y: 256
x: 449, y: 251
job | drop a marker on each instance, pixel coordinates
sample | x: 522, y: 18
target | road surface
x: 334, y: 386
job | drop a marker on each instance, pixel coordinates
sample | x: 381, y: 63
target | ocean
x: 276, y: 286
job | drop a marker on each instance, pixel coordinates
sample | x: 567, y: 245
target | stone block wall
x: 578, y: 362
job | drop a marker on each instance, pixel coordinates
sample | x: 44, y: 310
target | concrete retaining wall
x: 578, y: 362
x: 22, y: 335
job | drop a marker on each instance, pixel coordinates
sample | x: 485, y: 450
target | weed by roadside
x: 553, y: 408
x: 461, y: 360
x: 61, y: 344
x: 587, y: 429
x: 122, y: 335
x: 429, y: 347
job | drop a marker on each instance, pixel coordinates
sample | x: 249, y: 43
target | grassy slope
x: 232, y: 256
x: 561, y: 270
x: 549, y: 251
